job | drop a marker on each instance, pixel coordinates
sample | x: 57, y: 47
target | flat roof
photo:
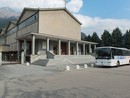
x: 41, y: 35
x: 113, y: 47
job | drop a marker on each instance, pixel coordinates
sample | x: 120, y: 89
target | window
x: 13, y: 30
x: 28, y: 21
x: 103, y: 53
x: 117, y: 52
x: 124, y: 52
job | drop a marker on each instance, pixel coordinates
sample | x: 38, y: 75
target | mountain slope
x: 6, y: 12
x: 6, y: 15
x: 4, y: 21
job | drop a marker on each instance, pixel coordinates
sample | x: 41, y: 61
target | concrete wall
x: 4, y: 48
x: 11, y: 40
x: 34, y: 58
x: 59, y: 23
x: 13, y: 46
x: 30, y: 28
x: 2, y: 39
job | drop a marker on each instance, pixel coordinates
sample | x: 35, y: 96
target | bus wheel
x: 118, y: 63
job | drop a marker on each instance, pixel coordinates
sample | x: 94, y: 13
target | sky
x: 95, y: 15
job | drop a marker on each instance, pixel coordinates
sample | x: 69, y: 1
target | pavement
x: 20, y: 81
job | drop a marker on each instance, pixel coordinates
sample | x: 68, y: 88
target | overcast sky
x: 96, y: 15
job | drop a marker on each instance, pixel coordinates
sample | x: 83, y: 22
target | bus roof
x: 113, y: 47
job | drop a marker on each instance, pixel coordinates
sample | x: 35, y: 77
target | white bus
x: 112, y: 56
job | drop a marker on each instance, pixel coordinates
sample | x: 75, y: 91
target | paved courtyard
x: 20, y: 81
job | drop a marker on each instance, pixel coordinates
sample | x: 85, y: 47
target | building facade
x: 42, y: 33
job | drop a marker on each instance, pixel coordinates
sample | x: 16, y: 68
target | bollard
x: 67, y: 68
x: 77, y: 67
x: 0, y: 58
x: 92, y: 65
x: 27, y: 64
x: 85, y: 66
x: 22, y: 58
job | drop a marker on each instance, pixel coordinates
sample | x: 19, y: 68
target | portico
x: 42, y: 43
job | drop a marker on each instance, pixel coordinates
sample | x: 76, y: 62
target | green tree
x: 95, y: 38
x: 83, y: 36
x: 117, y: 38
x: 126, y: 39
x: 106, y: 38
x: 88, y: 38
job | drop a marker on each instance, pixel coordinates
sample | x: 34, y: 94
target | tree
x: 106, y: 38
x: 126, y: 39
x: 83, y: 36
x: 117, y: 38
x: 96, y: 39
x: 88, y: 38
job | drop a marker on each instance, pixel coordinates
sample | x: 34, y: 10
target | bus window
x: 116, y: 52
x: 125, y: 53
x: 104, y: 53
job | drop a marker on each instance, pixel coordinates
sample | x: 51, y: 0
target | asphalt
x: 21, y: 81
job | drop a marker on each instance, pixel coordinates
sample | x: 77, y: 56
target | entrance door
x: 63, y: 48
x: 55, y: 49
x: 71, y: 50
x: 29, y: 48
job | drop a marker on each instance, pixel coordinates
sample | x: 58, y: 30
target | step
x: 65, y: 60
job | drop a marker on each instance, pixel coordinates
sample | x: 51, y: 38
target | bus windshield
x: 103, y: 53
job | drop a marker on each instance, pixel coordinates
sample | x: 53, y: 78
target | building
x: 44, y: 33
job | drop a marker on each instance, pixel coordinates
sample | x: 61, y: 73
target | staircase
x: 62, y: 60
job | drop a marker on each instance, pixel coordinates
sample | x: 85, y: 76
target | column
x: 33, y: 45
x: 68, y: 47
x: 83, y: 48
x: 0, y: 58
x: 94, y: 47
x: 59, y: 47
x: 77, y: 48
x: 86, y: 49
x: 25, y: 46
x: 90, y: 49
x: 18, y: 49
x: 22, y: 57
x: 47, y: 44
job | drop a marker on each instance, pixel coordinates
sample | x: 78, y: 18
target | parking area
x: 47, y: 82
